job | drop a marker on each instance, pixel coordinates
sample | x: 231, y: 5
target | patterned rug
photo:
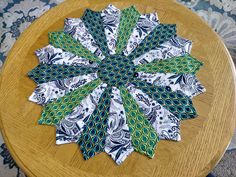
x: 17, y: 15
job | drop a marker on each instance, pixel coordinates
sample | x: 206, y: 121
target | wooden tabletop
x: 204, y: 139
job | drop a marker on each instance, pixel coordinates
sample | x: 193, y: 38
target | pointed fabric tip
x: 179, y: 65
x: 118, y: 140
x: 47, y: 92
x: 165, y: 123
x: 77, y: 29
x: 71, y: 127
x: 176, y: 46
x: 176, y: 102
x: 161, y: 34
x: 93, y: 137
x: 111, y: 19
x: 94, y: 23
x: 55, y: 111
x: 144, y: 137
x: 128, y: 20
x: 46, y: 73
x: 66, y: 42
x: 146, y: 23
x: 186, y: 83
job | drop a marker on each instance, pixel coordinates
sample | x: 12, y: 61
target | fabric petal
x: 93, y: 137
x: 55, y: 111
x: 52, y: 55
x: 176, y: 102
x: 76, y: 28
x: 128, y: 20
x: 146, y: 23
x: 186, y: 83
x: 165, y: 123
x: 94, y: 23
x: 179, y: 65
x: 111, y: 19
x: 118, y: 140
x: 47, y: 92
x: 68, y: 43
x: 160, y: 34
x: 46, y: 73
x: 70, y: 128
x: 175, y: 47
x: 144, y: 136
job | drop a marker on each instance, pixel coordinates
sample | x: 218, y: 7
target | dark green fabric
x: 116, y: 70
x: 55, y: 111
x: 180, y: 65
x: 160, y: 34
x: 128, y: 20
x: 93, y: 22
x: 66, y: 42
x: 176, y: 102
x: 143, y: 135
x: 46, y: 73
x: 93, y: 137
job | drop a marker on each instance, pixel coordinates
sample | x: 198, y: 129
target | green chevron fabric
x: 144, y: 137
x: 93, y: 138
x: 161, y: 34
x: 179, y: 65
x: 55, y: 111
x: 46, y: 73
x: 176, y: 102
x: 128, y: 20
x: 93, y: 22
x: 66, y: 42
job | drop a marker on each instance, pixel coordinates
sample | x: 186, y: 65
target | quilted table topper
x: 116, y: 81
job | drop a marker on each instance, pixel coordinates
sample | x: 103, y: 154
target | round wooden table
x: 204, y: 139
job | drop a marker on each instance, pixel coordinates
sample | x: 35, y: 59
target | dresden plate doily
x: 116, y: 81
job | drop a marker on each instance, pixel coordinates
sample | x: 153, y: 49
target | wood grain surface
x: 204, y: 139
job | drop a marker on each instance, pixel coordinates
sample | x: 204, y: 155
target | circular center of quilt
x: 116, y: 70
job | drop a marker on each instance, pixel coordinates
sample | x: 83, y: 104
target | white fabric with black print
x: 186, y: 83
x: 146, y: 23
x: 175, y: 47
x: 163, y: 121
x: 52, y: 55
x: 111, y: 19
x: 50, y: 91
x: 76, y: 28
x: 118, y: 140
x: 70, y: 128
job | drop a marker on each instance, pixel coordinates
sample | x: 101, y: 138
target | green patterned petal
x: 93, y: 138
x: 176, y: 102
x: 55, y: 111
x: 143, y: 135
x: 46, y: 73
x: 161, y: 34
x: 94, y: 24
x: 64, y: 41
x: 178, y: 65
x: 129, y: 18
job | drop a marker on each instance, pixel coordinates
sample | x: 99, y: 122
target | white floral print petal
x: 76, y: 28
x: 47, y: 92
x: 69, y: 128
x: 52, y: 55
x: 164, y: 122
x: 175, y: 47
x: 146, y: 23
x: 186, y: 83
x: 118, y: 140
x: 111, y: 18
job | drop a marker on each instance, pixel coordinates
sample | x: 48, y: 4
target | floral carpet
x: 17, y: 15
